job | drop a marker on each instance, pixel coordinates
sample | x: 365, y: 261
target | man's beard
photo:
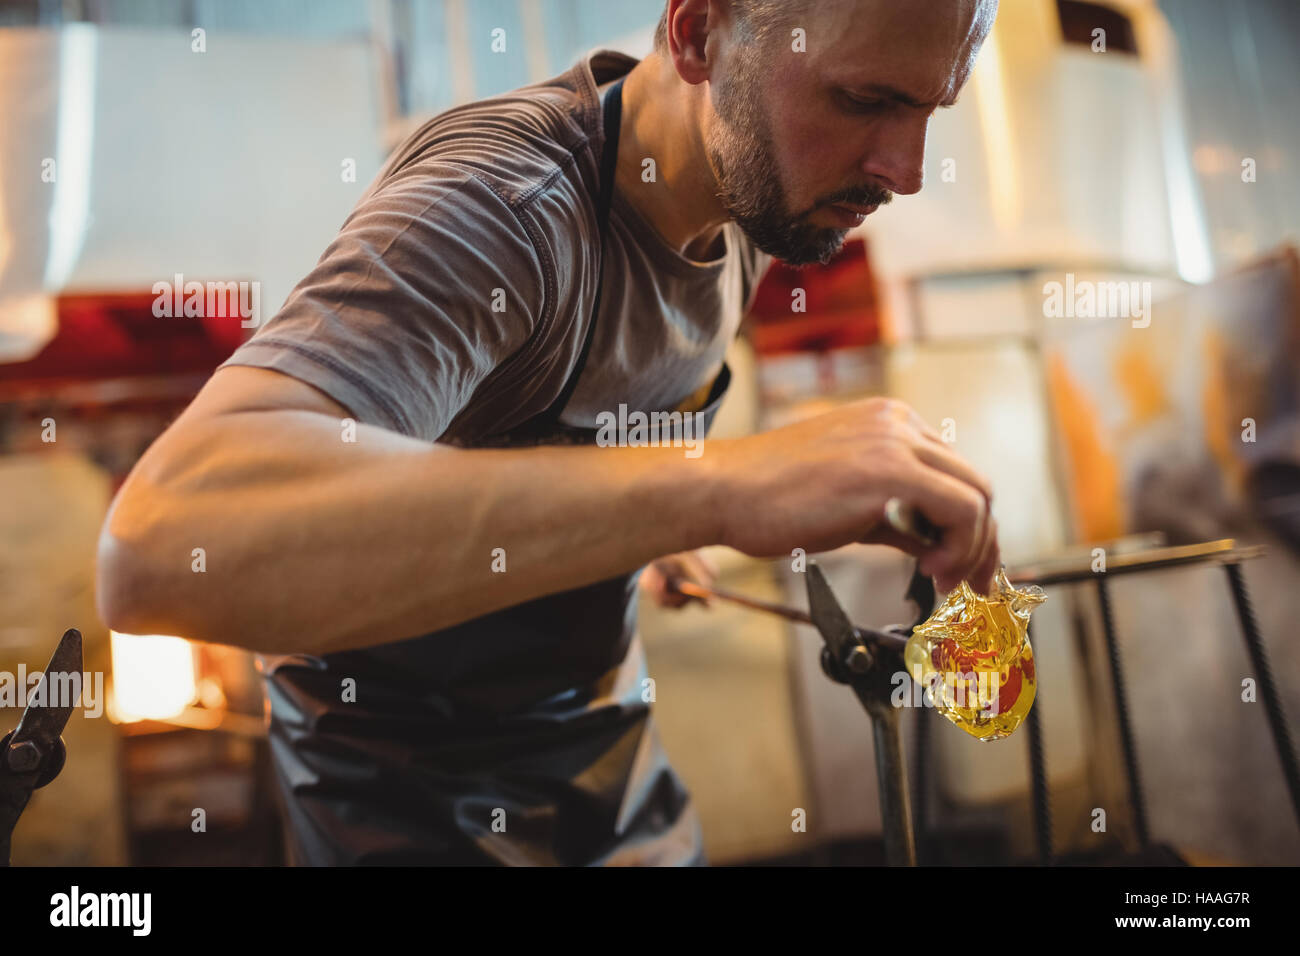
x: 749, y: 184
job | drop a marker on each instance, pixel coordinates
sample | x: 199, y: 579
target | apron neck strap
x: 613, y: 109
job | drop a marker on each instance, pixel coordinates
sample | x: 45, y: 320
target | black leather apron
x: 520, y: 737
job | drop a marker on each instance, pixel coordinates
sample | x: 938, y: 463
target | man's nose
x: 896, y: 158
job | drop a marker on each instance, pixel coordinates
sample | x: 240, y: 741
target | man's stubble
x: 749, y: 186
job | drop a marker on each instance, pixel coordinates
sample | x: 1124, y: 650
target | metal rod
x: 1038, y: 777
x: 691, y: 589
x: 1121, y: 712
x: 891, y: 777
x: 1223, y: 551
x: 1264, y: 678
x: 921, y: 759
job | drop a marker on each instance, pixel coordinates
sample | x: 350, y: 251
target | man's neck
x: 661, y: 122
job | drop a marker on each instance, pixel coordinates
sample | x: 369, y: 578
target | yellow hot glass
x: 974, y: 659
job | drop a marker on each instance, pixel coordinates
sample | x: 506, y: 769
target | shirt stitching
x: 395, y: 414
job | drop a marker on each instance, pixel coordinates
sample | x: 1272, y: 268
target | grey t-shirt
x: 452, y: 307
x: 453, y: 303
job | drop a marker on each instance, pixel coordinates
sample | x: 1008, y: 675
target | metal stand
x: 1223, y: 552
x: 868, y: 667
x: 1038, y: 782
x: 921, y: 760
x: 1127, y: 744
x: 867, y: 659
x: 1268, y: 691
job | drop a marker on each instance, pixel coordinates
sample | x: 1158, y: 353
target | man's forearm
x: 311, y: 544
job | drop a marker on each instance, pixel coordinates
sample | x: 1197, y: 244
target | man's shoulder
x: 537, y: 140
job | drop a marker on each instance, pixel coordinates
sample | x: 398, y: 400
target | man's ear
x: 690, y: 24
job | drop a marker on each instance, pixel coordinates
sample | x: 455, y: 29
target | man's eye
x: 861, y: 106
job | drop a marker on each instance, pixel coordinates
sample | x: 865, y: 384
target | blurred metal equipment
x: 700, y: 591
x: 869, y: 670
x: 866, y: 660
x: 33, y: 753
x: 1223, y: 552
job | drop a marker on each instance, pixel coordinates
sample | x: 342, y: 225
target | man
x: 456, y: 676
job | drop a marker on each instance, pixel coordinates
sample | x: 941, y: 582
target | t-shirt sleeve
x: 431, y: 284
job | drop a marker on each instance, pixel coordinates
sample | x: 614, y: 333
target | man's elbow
x: 126, y: 597
x: 132, y: 596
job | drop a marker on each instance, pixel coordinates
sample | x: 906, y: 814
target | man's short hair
x: 755, y: 19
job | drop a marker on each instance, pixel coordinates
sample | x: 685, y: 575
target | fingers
x: 961, y: 513
x: 977, y: 572
x: 884, y: 534
x: 903, y: 413
x: 989, y: 562
x: 935, y: 451
x: 687, y: 566
x: 698, y: 567
x: 654, y: 584
x: 943, y: 458
x: 980, y: 578
x: 974, y: 574
x: 922, y: 426
x: 956, y: 497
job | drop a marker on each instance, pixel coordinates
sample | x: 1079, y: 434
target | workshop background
x: 1169, y: 157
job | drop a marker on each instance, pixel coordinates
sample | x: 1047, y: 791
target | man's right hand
x: 823, y: 483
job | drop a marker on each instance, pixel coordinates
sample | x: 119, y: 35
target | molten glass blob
x: 974, y: 660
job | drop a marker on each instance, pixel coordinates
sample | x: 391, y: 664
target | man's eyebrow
x: 886, y: 92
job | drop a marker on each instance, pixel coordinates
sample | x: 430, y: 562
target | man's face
x: 795, y: 133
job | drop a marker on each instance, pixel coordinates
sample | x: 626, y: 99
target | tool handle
x: 908, y: 520
x: 691, y: 589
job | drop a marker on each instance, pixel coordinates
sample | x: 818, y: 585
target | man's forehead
x: 918, y: 52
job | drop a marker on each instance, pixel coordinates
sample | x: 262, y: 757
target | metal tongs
x: 866, y: 659
x: 33, y: 753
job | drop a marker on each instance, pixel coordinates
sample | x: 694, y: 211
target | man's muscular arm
x: 313, y: 544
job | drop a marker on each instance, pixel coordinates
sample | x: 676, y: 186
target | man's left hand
x: 693, y: 566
